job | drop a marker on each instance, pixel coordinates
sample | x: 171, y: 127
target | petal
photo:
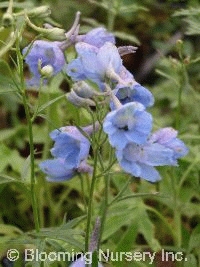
x: 118, y: 139
x: 157, y: 155
x: 149, y: 173
x: 108, y: 56
x: 98, y: 37
x: 142, y: 95
x: 163, y: 135
x: 75, y: 70
x: 56, y: 170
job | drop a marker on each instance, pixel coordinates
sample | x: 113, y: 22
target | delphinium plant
x: 106, y: 140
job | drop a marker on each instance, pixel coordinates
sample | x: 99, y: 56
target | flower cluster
x: 128, y: 124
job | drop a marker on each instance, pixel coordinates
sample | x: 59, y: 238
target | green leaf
x: 74, y: 222
x: 6, y: 81
x: 146, y: 228
x: 128, y: 239
x: 187, y: 12
x: 22, y: 5
x: 62, y: 233
x: 132, y: 8
x: 128, y: 37
x: 119, y: 214
x: 5, y: 179
x: 44, y: 106
x: 10, y: 157
x: 7, y: 133
x: 8, y: 232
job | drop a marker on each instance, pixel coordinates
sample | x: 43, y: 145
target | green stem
x: 32, y: 157
x: 83, y: 192
x: 184, y: 85
x: 113, y: 11
x: 177, y: 214
x: 31, y: 143
x: 89, y: 212
x: 48, y: 130
x: 105, y: 207
x: 178, y: 113
x: 10, y: 7
x: 111, y: 15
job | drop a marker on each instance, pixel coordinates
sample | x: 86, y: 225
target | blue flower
x: 168, y: 138
x: 162, y: 148
x: 95, y: 64
x: 48, y: 53
x: 71, y: 151
x: 134, y: 92
x: 58, y: 171
x: 97, y: 37
x: 130, y: 123
x: 70, y: 145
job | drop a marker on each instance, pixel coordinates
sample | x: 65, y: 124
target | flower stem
x: 32, y: 157
x: 30, y: 134
x: 105, y: 207
x: 177, y: 215
x: 89, y: 212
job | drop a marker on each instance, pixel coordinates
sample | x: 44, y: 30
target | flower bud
x: 39, y: 12
x: 83, y: 90
x: 79, y: 101
x: 47, y: 71
x: 179, y: 42
x: 55, y: 34
x: 7, y: 20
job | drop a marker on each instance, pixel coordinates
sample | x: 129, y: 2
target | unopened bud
x: 47, y: 71
x: 39, y: 12
x: 55, y: 34
x: 82, y: 89
x: 79, y: 101
x: 179, y: 42
x: 7, y: 20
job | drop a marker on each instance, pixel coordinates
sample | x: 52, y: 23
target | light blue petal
x: 118, y: 139
x: 98, y: 37
x: 108, y: 56
x: 142, y: 95
x: 56, y: 170
x: 131, y: 167
x: 157, y: 155
x: 75, y: 70
x: 149, y: 173
x: 163, y: 135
